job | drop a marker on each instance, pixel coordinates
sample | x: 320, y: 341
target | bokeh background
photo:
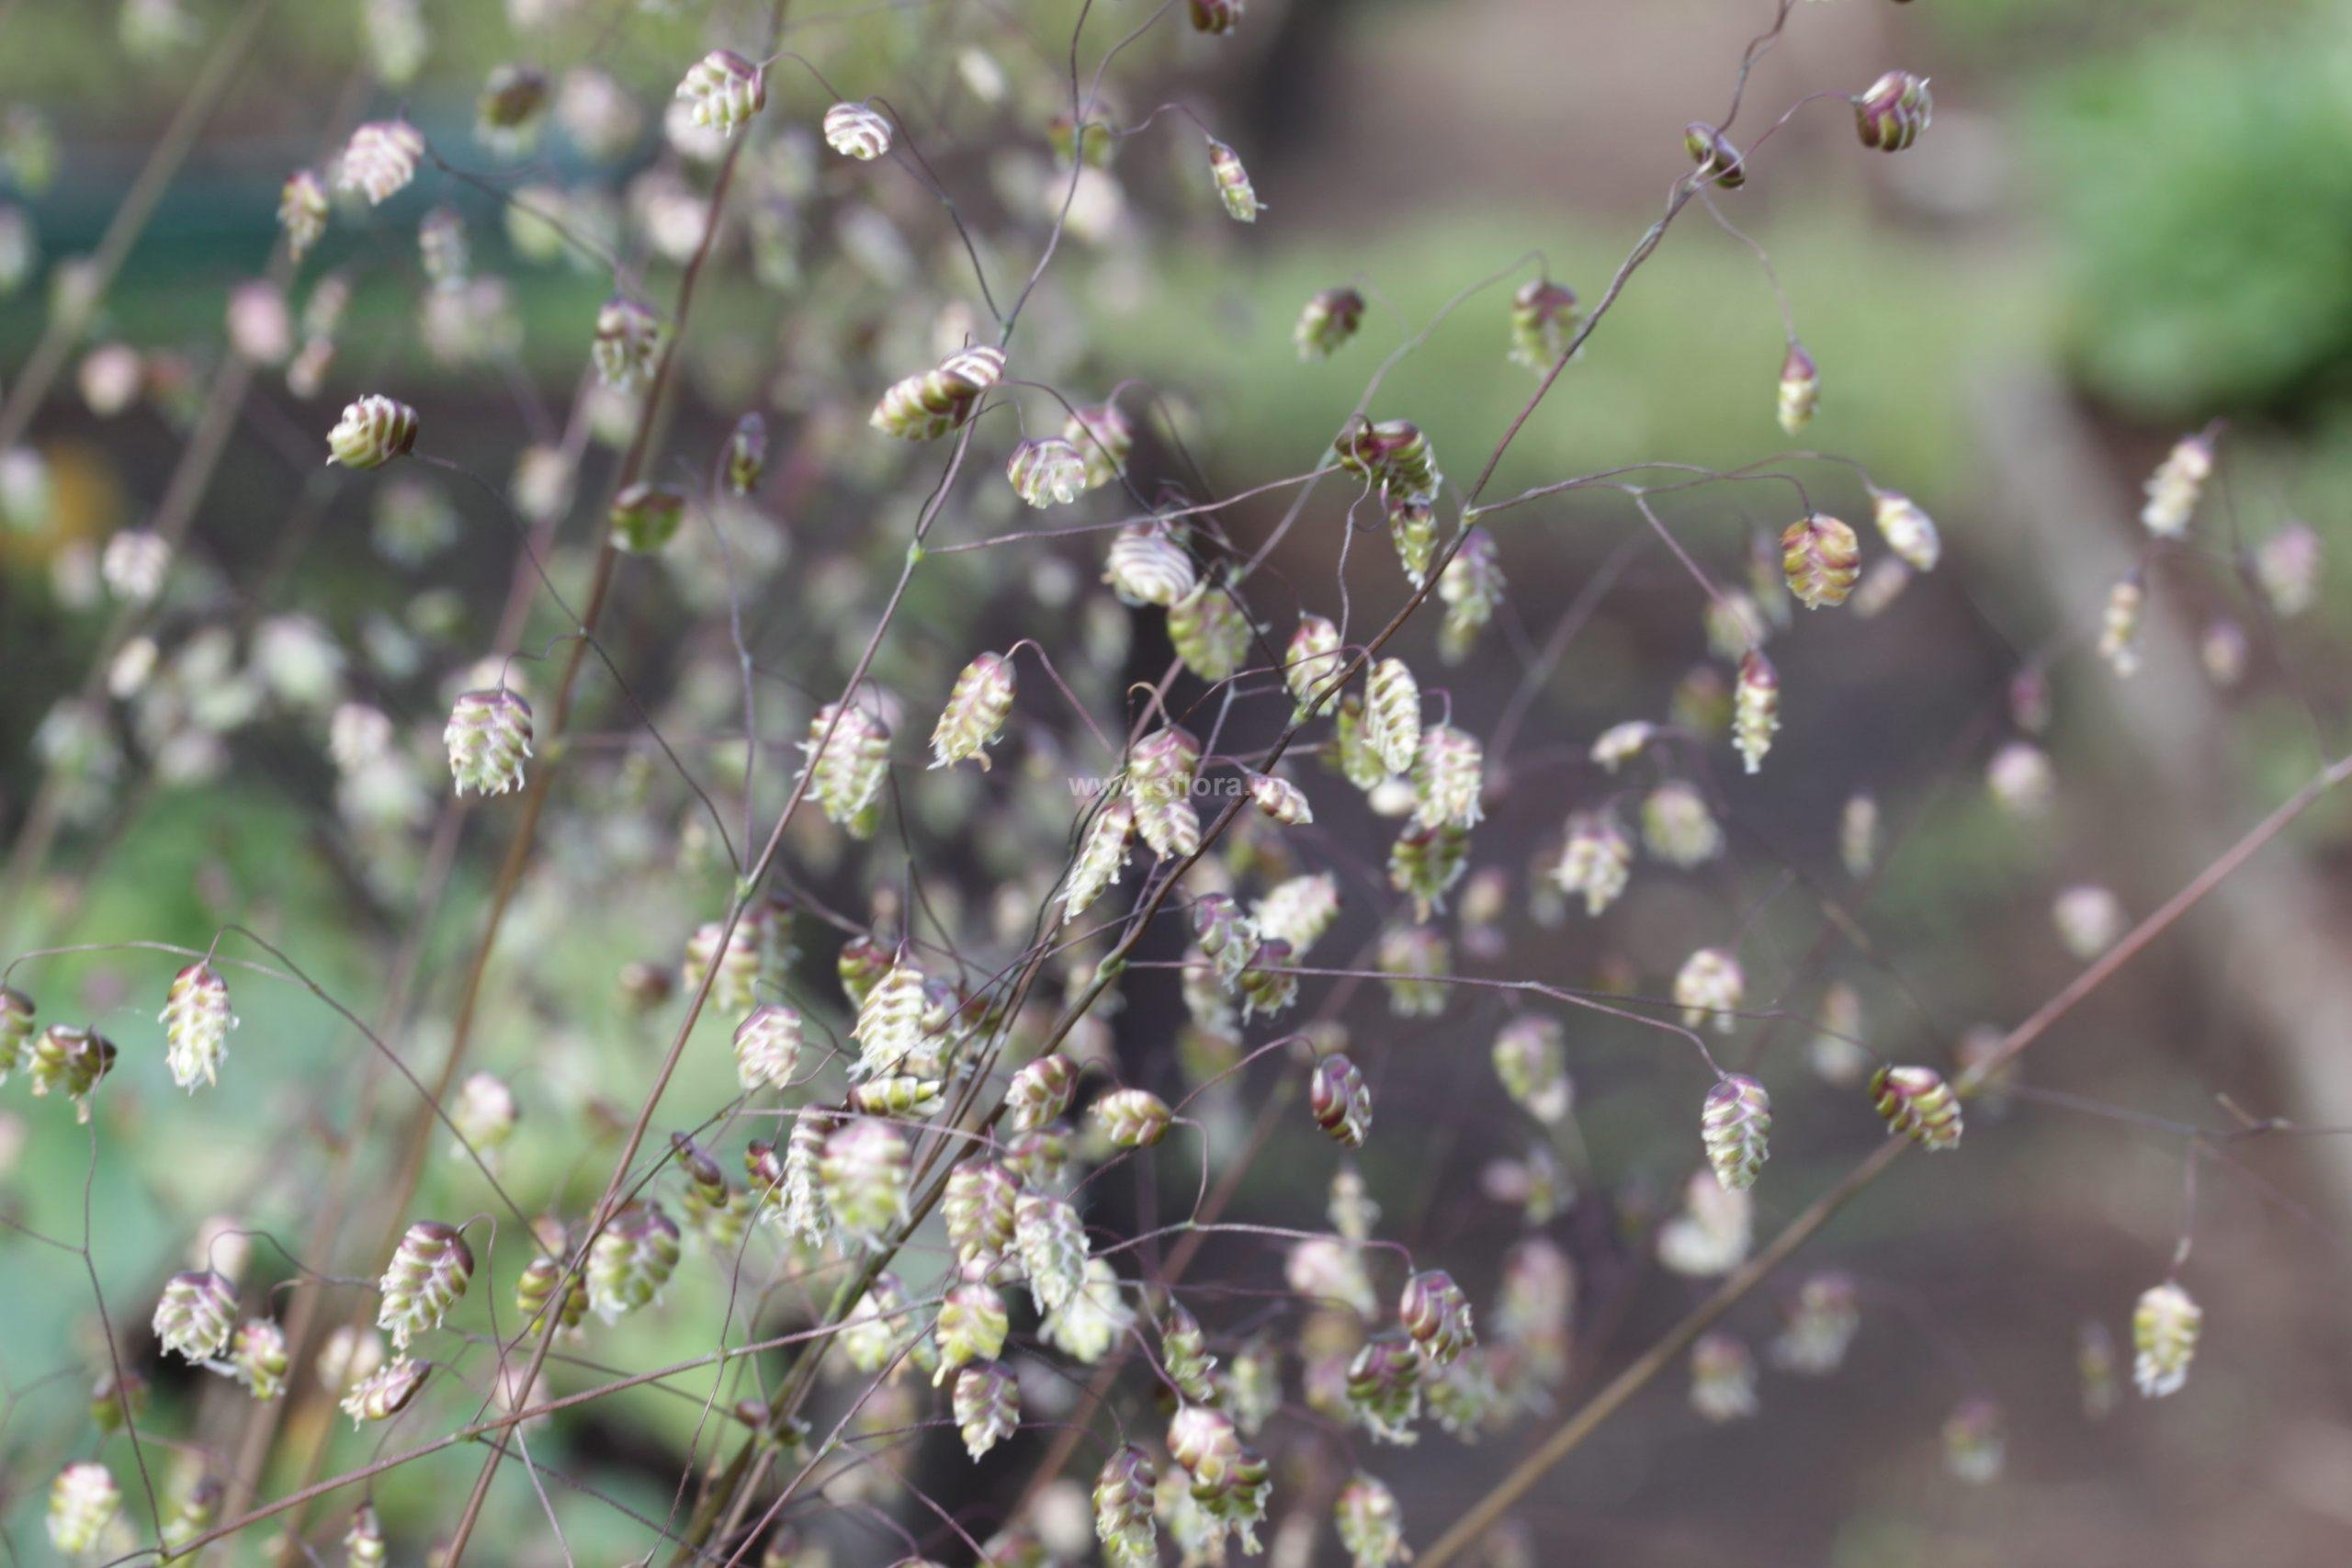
x: 2131, y: 217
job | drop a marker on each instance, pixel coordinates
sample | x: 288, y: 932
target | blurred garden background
x: 2133, y: 217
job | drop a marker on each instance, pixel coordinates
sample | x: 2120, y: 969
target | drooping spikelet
x: 1799, y: 388
x: 767, y: 1047
x: 901, y: 1095
x: 848, y: 770
x: 1233, y: 186
x: 1709, y: 989
x: 1298, y: 912
x: 1717, y: 160
x: 1102, y: 857
x: 1210, y: 631
x: 645, y: 517
x: 1383, y: 1388
x: 1410, y: 959
x: 2165, y: 1326
x: 1755, y: 709
x: 1543, y: 321
x: 2288, y: 564
x: 747, y: 453
x: 1330, y: 319
x: 197, y: 1021
x: 1370, y: 1525
x: 1596, y: 860
x: 863, y: 1174
x: 1531, y: 1061
x: 2177, y: 486
x: 927, y: 406
x: 380, y: 159
x: 1281, y: 800
x: 978, y: 1208
x: 1052, y: 1245
x: 628, y: 337
x: 1821, y: 1323
x: 1340, y: 1100
x: 1909, y: 532
x: 257, y: 1357
x: 302, y: 212
x: 1104, y: 437
x: 631, y: 1259
x: 1159, y: 781
x: 1891, y: 113
x: 1392, y: 715
x: 16, y: 1013
x: 1146, y: 564
x: 1471, y: 588
x: 488, y: 736
x: 1448, y: 775
x: 988, y: 1406
x: 972, y: 1326
x: 82, y: 1501
x: 1426, y: 862
x: 363, y: 1541
x: 195, y: 1315
x: 427, y: 1275
x: 733, y: 961
x: 723, y: 90
x: 1916, y: 1103
x: 1723, y: 1378
x: 973, y: 716
x: 1821, y: 558
x: 1392, y: 456
x: 890, y: 1024
x: 1216, y: 16
x: 535, y: 1295
x: 1436, y: 1313
x: 1124, y: 1518
x: 1734, y: 1127
x: 71, y: 1061
x: 856, y: 131
x: 2118, y: 626
x: 1047, y: 472
x: 1311, y: 663
x: 1132, y: 1117
x: 371, y: 432
x: 1039, y: 1093
x: 386, y: 1392
x: 1185, y: 1353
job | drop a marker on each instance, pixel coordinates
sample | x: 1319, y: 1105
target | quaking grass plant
x: 949, y: 947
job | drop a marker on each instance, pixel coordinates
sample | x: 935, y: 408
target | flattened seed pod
x: 926, y: 406
x: 1047, y: 472
x: 1800, y: 389
x: 82, y: 1501
x: 628, y: 338
x: 976, y: 711
x: 302, y: 212
x: 1328, y: 319
x: 1233, y: 186
x: 195, y: 1315
x: 1755, y: 709
x: 1544, y: 318
x: 988, y: 1406
x: 855, y: 131
x: 1393, y: 716
x: 1918, y: 1104
x: 1716, y: 158
x: 1734, y: 1127
x: 197, y: 1021
x: 631, y: 1260
x: 1311, y: 664
x: 1148, y: 565
x: 1052, y: 1245
x: 488, y: 736
x: 977, y: 1208
x: 1102, y: 857
x: 2164, y: 1327
x: 386, y: 1392
x: 1340, y: 1100
x: 1124, y: 1520
x: 380, y: 159
x: 1909, y: 532
x: 863, y: 1174
x: 1132, y: 1117
x: 767, y: 1047
x: 535, y: 1296
x: 1709, y: 988
x: 1159, y: 781
x: 71, y: 1061
x: 1039, y: 1093
x: 1890, y: 115
x: 371, y: 432
x: 1210, y: 631
x: 1596, y: 861
x: 723, y: 90
x: 1104, y: 437
x: 1281, y: 800
x: 851, y: 767
x: 1370, y: 1524
x: 257, y: 1357
x: 428, y: 1276
x: 1383, y: 1388
x: 1821, y: 558
x: 1436, y: 1313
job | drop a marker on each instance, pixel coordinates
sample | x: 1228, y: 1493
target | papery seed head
x: 428, y: 1274
x: 1596, y: 860
x: 1709, y: 989
x: 1891, y: 113
x: 1821, y: 1321
x: 1160, y: 772
x: 2177, y: 486
x: 628, y: 340
x: 1132, y: 1117
x: 302, y: 212
x: 1370, y: 1525
x: 1800, y: 389
x: 1909, y: 532
x: 1340, y: 1100
x: 197, y: 1021
x: 723, y: 90
x: 1311, y: 663
x: 1327, y: 321
x: 1821, y: 558
x: 1755, y: 709
x: 855, y: 131
x: 1471, y: 588
x: 1717, y: 160
x: 1393, y: 715
x: 974, y: 714
x: 972, y: 1326
x: 1047, y: 472
x: 195, y: 1315
x: 82, y: 1501
x: 1918, y: 1104
x: 1233, y: 186
x: 1281, y: 800
x: 849, y: 762
x: 1148, y: 565
x: 1104, y: 437
x: 1544, y: 319
x: 631, y: 1259
x: 1052, y: 1246
x: 1124, y: 1518
x: 1723, y: 1378
x: 488, y: 736
x: 1436, y: 1313
x: 386, y: 1392
x: 2118, y: 626
x: 1426, y: 862
x: 1734, y: 1127
x: 257, y: 1355
x: 1218, y: 17
x: 978, y: 1208
x: 1102, y: 857
x: 2165, y: 1328
x: 380, y: 160
x: 371, y: 432
x: 1409, y: 959
x: 1383, y: 1388
x: 926, y: 406
x: 1039, y: 1092
x: 863, y: 1174
x: 1449, y: 775
x: 988, y: 1410
x: 1210, y: 631
x: 767, y: 1047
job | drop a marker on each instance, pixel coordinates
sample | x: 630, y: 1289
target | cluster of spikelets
x: 841, y: 1184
